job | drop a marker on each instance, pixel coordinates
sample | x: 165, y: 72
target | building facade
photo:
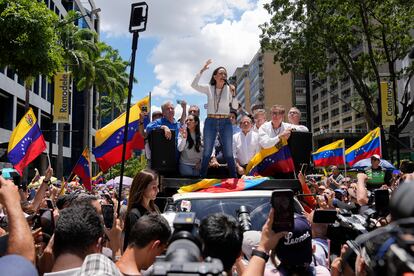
x: 12, y: 100
x: 261, y: 83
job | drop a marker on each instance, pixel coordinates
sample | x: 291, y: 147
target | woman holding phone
x: 220, y: 95
x: 141, y: 201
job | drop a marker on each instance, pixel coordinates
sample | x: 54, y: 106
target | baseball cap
x: 376, y: 156
x: 299, y: 240
x: 251, y: 240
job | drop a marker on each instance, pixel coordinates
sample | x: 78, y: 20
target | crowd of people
x: 71, y: 235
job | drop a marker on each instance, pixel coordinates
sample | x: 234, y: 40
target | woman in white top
x: 190, y: 146
x: 219, y: 97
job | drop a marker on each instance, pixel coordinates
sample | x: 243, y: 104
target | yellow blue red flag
x: 364, y: 148
x: 331, y: 154
x: 82, y: 169
x: 109, y: 139
x: 267, y: 162
x: 26, y: 142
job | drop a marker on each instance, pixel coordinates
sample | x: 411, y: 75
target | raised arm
x: 195, y: 84
x: 20, y: 237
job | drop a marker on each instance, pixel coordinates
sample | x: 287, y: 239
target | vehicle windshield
x: 258, y: 207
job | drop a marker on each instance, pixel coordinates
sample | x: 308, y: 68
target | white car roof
x: 239, y: 194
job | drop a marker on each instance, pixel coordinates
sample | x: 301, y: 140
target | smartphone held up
x: 282, y: 202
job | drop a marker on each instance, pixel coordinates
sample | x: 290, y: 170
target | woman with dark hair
x: 220, y: 95
x: 142, y: 194
x: 190, y: 146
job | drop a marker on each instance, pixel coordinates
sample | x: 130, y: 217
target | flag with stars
x: 331, y: 154
x: 364, y: 148
x: 82, y: 169
x: 268, y: 162
x: 109, y: 139
x: 26, y: 142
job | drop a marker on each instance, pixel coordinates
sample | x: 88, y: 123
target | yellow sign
x: 387, y: 104
x: 62, y: 98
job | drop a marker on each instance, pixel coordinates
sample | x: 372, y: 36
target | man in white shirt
x: 294, y: 117
x: 271, y: 132
x: 245, y: 145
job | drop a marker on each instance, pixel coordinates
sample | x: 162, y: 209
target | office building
x: 12, y: 100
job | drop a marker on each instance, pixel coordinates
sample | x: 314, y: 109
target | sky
x: 181, y: 36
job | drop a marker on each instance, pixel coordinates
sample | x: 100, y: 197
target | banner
x: 387, y: 104
x: 62, y: 98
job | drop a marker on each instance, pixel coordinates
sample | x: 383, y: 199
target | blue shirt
x: 163, y: 122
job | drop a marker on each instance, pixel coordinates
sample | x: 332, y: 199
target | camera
x: 184, y: 251
x: 243, y: 216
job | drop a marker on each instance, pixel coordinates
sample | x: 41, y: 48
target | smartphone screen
x: 282, y: 202
x: 108, y: 215
x: 382, y: 201
x: 324, y: 216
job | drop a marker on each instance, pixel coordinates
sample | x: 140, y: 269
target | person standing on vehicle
x: 219, y: 97
x: 245, y: 145
x: 191, y: 147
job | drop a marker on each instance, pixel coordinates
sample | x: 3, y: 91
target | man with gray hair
x: 166, y: 123
x: 294, y: 117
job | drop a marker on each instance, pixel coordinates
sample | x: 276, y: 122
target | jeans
x: 224, y: 128
x: 188, y: 170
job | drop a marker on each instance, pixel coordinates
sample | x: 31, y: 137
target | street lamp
x: 137, y: 24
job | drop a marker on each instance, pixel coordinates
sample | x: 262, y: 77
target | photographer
x: 20, y: 247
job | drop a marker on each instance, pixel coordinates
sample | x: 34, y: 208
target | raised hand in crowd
x: 362, y: 192
x: 183, y: 132
x: 183, y: 104
x: 339, y: 266
x: 268, y: 241
x: 20, y: 237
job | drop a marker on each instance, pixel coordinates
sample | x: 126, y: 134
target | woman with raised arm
x: 220, y: 95
x: 191, y: 147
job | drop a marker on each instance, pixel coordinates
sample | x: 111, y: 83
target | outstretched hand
x: 206, y: 66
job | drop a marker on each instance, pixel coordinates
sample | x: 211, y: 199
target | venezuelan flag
x: 267, y: 162
x: 26, y: 142
x: 225, y: 185
x: 82, y: 169
x: 109, y: 139
x: 364, y: 148
x: 331, y: 154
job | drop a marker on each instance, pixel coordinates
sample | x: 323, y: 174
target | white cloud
x: 189, y: 33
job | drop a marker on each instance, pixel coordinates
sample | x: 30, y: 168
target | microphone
x: 226, y: 82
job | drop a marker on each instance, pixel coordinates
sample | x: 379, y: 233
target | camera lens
x: 244, y: 218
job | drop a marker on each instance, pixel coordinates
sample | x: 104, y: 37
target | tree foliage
x: 361, y: 39
x: 28, y: 41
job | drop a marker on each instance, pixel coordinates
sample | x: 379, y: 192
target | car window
x: 258, y: 207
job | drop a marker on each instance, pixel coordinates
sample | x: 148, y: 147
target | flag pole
x: 48, y: 157
x: 343, y: 146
